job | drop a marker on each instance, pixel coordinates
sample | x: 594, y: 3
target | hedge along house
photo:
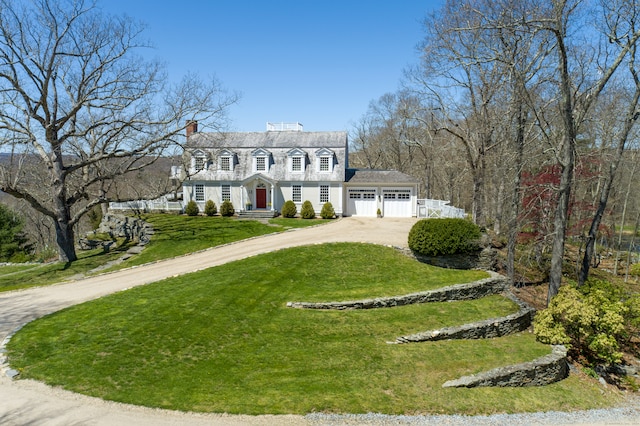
x: 259, y: 171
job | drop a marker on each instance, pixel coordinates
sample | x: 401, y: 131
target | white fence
x: 148, y: 205
x: 438, y: 209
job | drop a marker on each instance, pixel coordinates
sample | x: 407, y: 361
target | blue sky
x: 316, y: 62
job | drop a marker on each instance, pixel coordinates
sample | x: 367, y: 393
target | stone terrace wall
x: 542, y: 371
x: 495, y: 284
x: 485, y: 329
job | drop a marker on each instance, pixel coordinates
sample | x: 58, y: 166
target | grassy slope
x: 175, y: 236
x: 223, y: 340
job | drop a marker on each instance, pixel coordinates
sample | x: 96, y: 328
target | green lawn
x: 223, y: 340
x: 174, y: 236
x: 51, y: 273
x: 178, y: 235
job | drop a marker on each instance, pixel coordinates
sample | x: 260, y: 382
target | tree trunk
x: 65, y: 239
x: 561, y: 218
x: 631, y: 116
x: 516, y: 196
x: 62, y: 222
x: 624, y: 212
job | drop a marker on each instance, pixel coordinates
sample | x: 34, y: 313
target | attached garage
x: 397, y: 202
x: 362, y: 202
x: 366, y: 191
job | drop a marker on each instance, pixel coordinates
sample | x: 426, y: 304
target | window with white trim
x: 226, y: 192
x: 261, y: 164
x: 199, y: 190
x: 296, y: 164
x: 325, y: 165
x: 296, y: 193
x: 199, y: 162
x: 404, y: 196
x: 225, y: 164
x: 324, y: 193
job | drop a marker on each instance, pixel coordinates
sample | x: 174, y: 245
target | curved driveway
x: 30, y: 402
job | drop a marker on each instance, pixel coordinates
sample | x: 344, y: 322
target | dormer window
x: 297, y: 160
x: 199, y: 161
x: 325, y: 160
x: 227, y: 160
x: 225, y: 164
x: 261, y: 160
x: 324, y: 164
x: 296, y: 164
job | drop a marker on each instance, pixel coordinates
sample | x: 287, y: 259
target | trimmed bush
x: 226, y: 209
x: 327, y: 211
x: 289, y: 209
x: 210, y: 208
x: 435, y: 237
x: 307, y: 211
x: 192, y: 209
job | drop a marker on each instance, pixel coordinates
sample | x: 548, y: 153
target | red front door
x: 261, y: 198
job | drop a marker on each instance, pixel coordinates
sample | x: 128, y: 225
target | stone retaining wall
x: 493, y: 285
x: 125, y: 227
x: 542, y: 371
x: 485, y: 329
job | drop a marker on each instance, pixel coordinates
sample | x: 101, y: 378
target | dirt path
x: 29, y: 402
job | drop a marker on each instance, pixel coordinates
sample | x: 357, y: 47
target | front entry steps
x: 257, y: 214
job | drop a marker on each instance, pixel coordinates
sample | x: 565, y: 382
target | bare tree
x: 461, y: 74
x: 80, y: 107
x: 583, y: 73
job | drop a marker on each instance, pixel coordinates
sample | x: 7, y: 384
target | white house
x: 259, y: 171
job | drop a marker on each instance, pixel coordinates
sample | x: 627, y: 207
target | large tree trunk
x: 516, y: 196
x: 65, y: 239
x: 63, y: 225
x: 561, y: 218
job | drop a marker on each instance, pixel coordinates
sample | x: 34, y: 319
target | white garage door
x: 397, y: 203
x: 362, y: 202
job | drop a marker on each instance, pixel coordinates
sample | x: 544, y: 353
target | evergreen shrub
x: 192, y: 209
x: 95, y: 217
x: 289, y: 209
x: 226, y: 209
x: 327, y: 211
x: 435, y: 237
x: 210, y: 208
x: 14, y: 246
x: 307, y: 211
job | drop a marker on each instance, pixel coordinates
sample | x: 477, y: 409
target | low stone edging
x: 485, y: 329
x: 495, y: 284
x: 539, y: 372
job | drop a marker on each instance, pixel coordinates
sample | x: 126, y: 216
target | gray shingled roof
x: 270, y: 140
x: 378, y: 176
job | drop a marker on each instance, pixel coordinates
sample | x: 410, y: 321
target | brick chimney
x: 192, y: 127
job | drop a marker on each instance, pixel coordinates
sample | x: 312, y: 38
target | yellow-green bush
x: 210, y: 208
x: 289, y: 209
x: 226, y: 209
x: 192, y: 208
x: 327, y: 211
x: 590, y: 322
x: 307, y: 211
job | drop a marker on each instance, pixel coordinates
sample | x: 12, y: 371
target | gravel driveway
x: 29, y: 402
